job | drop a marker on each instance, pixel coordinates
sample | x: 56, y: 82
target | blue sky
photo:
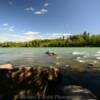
x: 23, y: 20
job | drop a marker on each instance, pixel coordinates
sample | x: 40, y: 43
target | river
x: 75, y: 57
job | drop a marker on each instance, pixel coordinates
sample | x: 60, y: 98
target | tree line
x: 79, y: 40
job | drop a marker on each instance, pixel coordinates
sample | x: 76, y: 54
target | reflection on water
x: 75, y: 57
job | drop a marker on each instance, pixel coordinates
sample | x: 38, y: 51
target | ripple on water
x: 98, y: 58
x: 80, y: 59
x: 97, y: 55
x: 98, y: 52
x: 78, y: 53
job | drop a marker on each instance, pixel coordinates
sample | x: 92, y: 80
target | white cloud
x: 30, y: 9
x: 15, y: 37
x: 5, y: 24
x: 27, y: 36
x: 7, y: 28
x: 11, y: 29
x: 7, y: 33
x: 61, y: 34
x: 41, y: 12
x: 56, y: 35
x: 44, y: 10
x: 31, y: 33
x: 46, y: 4
x: 38, y: 13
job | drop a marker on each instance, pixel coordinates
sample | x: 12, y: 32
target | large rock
x: 6, y: 66
x: 28, y: 82
x: 74, y: 92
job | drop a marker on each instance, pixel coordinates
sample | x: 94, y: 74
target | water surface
x: 75, y: 57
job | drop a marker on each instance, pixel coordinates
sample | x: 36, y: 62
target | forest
x: 85, y: 39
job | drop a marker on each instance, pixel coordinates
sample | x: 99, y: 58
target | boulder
x: 6, y: 66
x: 75, y: 92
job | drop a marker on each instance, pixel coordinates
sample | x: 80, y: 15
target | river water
x: 76, y: 57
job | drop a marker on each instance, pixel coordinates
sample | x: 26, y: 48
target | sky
x: 24, y: 20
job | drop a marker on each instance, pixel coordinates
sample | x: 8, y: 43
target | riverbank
x: 80, y: 40
x: 28, y: 82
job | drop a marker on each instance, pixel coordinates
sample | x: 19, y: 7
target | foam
x: 78, y: 53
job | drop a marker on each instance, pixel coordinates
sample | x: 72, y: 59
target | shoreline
x: 88, y: 80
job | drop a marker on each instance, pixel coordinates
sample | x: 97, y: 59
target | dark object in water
x: 51, y: 53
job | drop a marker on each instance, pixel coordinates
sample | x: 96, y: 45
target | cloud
x: 56, y: 35
x: 5, y: 24
x: 7, y: 28
x: 41, y: 12
x: 7, y: 33
x: 11, y: 37
x: 30, y: 9
x: 31, y: 33
x: 10, y: 2
x: 46, y: 4
x: 27, y: 36
x: 44, y: 10
x: 37, y: 13
x: 15, y: 37
x: 61, y: 34
x: 11, y: 29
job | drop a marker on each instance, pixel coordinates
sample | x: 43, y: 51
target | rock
x: 28, y: 74
x: 38, y: 81
x: 6, y: 66
x: 73, y: 92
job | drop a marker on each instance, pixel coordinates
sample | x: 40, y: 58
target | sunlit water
x: 36, y: 56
